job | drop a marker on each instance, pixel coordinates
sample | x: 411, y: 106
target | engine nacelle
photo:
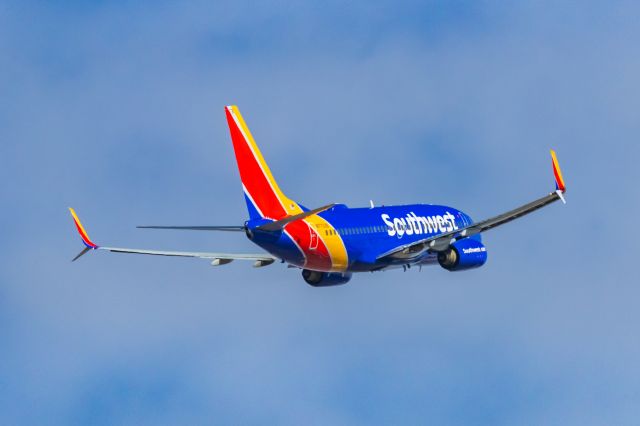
x: 324, y: 279
x: 462, y: 255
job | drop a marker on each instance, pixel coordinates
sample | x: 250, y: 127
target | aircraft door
x: 313, y: 239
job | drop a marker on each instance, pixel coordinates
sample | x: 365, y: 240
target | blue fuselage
x: 367, y: 234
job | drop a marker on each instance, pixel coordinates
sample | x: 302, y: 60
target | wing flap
x: 200, y: 255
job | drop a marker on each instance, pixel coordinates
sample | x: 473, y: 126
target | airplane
x: 331, y: 243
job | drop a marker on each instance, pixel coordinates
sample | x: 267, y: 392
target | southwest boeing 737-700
x: 332, y: 242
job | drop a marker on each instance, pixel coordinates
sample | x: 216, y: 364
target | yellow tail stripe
x: 290, y: 206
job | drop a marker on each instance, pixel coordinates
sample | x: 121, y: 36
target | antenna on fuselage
x: 371, y: 203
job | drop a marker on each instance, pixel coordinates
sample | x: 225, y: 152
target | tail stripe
x: 264, y: 196
x: 257, y: 155
x: 253, y: 177
x: 254, y: 171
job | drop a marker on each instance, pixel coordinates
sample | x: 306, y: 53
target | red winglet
x: 83, y: 234
x: 557, y: 173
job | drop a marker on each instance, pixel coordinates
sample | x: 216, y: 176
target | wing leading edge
x: 216, y: 258
x: 441, y: 242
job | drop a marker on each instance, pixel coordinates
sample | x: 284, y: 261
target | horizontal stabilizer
x: 280, y: 224
x: 197, y: 228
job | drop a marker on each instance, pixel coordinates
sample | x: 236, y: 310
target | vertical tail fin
x: 262, y: 194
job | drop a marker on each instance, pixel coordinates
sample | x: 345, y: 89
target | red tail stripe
x: 252, y: 176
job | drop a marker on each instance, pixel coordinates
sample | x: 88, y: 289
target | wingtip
x: 83, y: 233
x: 557, y: 173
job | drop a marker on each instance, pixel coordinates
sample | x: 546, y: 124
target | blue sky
x: 117, y: 109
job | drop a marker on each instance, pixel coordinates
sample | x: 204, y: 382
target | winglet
x: 557, y: 173
x: 90, y: 245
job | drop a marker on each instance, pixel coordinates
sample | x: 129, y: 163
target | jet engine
x: 462, y: 255
x: 324, y: 279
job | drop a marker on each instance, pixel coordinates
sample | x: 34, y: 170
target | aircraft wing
x: 441, y: 242
x: 262, y: 259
